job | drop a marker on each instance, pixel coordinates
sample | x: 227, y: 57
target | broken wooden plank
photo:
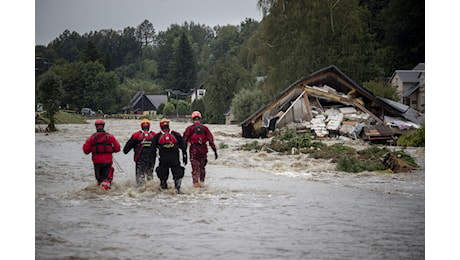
x: 306, y: 101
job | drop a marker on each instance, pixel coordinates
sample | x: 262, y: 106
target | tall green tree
x: 382, y: 89
x: 247, y: 101
x: 50, y: 93
x: 89, y: 85
x: 198, y: 104
x: 145, y: 33
x: 300, y: 37
x: 129, y: 46
x: 101, y: 88
x: 375, y: 19
x: 200, y: 37
x: 169, y: 109
x: 144, y: 68
x: 404, y: 39
x: 73, y: 83
x: 247, y: 55
x: 227, y: 79
x: 183, y: 107
x: 226, y: 42
x: 90, y: 53
x: 107, y: 42
x: 164, y: 51
x: 182, y: 67
x: 68, y: 45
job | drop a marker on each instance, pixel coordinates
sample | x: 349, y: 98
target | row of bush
x: 416, y: 139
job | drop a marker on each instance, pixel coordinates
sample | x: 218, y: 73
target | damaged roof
x: 405, y: 111
x: 333, y: 77
x: 322, y: 76
x: 317, y: 85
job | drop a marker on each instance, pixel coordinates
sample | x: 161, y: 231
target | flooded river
x: 254, y: 206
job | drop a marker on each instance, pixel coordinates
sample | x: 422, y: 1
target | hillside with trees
x: 366, y: 39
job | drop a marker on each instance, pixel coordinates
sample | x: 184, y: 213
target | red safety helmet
x: 99, y: 123
x: 164, y: 122
x: 196, y: 114
x: 145, y: 124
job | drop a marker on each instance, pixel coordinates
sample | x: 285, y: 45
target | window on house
x: 201, y: 92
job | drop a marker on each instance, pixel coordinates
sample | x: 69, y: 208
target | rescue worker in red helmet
x: 168, y: 143
x: 102, y: 145
x: 141, y: 142
x: 199, y: 135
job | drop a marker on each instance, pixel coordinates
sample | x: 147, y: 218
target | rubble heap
x: 344, y: 116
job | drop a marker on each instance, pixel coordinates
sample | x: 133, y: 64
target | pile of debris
x: 329, y: 103
x: 346, y: 121
x: 342, y: 120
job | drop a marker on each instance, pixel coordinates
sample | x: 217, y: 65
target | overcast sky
x: 52, y: 17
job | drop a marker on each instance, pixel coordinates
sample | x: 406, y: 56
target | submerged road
x: 241, y: 214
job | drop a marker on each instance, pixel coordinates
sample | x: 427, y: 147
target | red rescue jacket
x: 167, y: 140
x: 141, y: 141
x: 199, y: 136
x: 101, y: 145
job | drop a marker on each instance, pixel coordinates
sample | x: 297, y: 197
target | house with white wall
x: 411, y: 86
x: 197, y: 93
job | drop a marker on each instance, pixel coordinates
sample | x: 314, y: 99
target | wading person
x: 168, y: 143
x: 101, y: 145
x: 198, y: 135
x: 141, y: 142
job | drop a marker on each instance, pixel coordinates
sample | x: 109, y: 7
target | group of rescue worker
x: 145, y: 144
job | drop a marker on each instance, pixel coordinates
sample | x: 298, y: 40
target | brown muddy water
x: 254, y: 206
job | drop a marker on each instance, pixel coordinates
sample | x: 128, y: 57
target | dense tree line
x: 367, y: 39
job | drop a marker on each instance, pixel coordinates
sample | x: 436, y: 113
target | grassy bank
x: 62, y: 117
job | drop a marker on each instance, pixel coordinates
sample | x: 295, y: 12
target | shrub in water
x: 353, y: 164
x: 289, y: 139
x: 251, y: 146
x: 373, y: 153
x: 416, y: 139
x: 349, y: 164
x: 333, y: 152
x: 288, y: 135
x: 301, y: 141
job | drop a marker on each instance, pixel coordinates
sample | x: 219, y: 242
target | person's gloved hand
x: 184, y: 158
x: 215, y: 154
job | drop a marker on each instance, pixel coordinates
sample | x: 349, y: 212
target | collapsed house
x: 328, y: 103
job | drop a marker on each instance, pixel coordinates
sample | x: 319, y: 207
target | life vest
x: 145, y: 138
x: 101, y: 143
x: 167, y: 141
x: 198, y: 136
